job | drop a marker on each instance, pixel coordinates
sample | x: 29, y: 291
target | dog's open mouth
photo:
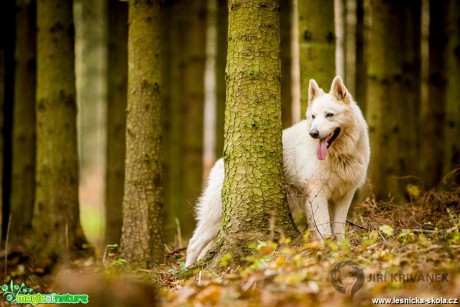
x: 325, y: 143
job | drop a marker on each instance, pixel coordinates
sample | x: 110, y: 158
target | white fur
x: 324, y: 188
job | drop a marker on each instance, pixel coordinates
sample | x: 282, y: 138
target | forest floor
x: 395, y: 251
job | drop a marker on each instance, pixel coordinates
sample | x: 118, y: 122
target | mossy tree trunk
x: 57, y: 232
x: 316, y: 45
x: 433, y: 117
x: 452, y: 132
x: 116, y: 118
x: 23, y: 145
x: 390, y: 111
x: 142, y: 234
x: 253, y: 194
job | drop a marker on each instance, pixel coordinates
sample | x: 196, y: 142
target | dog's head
x: 328, y: 114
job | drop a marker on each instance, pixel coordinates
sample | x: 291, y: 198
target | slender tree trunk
x: 3, y: 43
x: 350, y: 45
x: 286, y: 62
x: 360, y: 57
x: 116, y: 118
x: 169, y: 72
x: 253, y: 194
x: 174, y: 30
x: 56, y: 224
x: 432, y: 149
x: 412, y: 79
x: 23, y: 146
x: 222, y: 27
x: 452, y: 141
x: 142, y: 234
x: 192, y: 105
x: 316, y: 45
x: 7, y: 67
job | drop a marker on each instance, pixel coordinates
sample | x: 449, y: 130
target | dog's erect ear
x: 313, y: 92
x: 339, y: 90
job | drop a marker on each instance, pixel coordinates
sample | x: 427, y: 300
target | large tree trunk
x: 56, y: 224
x: 116, y: 118
x: 452, y: 132
x: 23, y: 146
x: 316, y: 45
x: 253, y: 193
x: 433, y: 117
x: 142, y: 234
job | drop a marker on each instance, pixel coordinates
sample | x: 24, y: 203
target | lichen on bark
x: 253, y: 193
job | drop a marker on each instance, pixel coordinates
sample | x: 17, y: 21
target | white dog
x: 325, y: 161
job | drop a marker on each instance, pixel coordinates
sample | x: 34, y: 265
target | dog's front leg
x: 339, y: 214
x: 318, y: 215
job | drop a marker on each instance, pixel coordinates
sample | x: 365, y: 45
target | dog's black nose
x: 314, y: 133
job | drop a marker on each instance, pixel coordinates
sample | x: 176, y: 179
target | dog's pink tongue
x: 321, y: 150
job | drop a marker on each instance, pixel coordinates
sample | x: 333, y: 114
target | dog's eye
x: 313, y: 116
x: 329, y: 114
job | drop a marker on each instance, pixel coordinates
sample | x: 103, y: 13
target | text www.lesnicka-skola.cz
x: 415, y: 300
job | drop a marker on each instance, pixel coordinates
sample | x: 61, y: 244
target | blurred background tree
x: 57, y: 233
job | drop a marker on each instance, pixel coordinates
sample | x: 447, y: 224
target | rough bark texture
x: 253, y: 194
x: 452, y: 132
x: 390, y: 112
x: 316, y: 45
x: 142, y: 237
x: 23, y: 145
x: 56, y: 225
x: 432, y: 148
x: 286, y: 62
x: 116, y: 118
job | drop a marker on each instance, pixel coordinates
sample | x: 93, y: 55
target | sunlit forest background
x: 399, y: 59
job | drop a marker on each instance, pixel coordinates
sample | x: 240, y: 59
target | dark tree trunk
x: 23, y: 167
x: 116, y: 118
x: 57, y: 233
